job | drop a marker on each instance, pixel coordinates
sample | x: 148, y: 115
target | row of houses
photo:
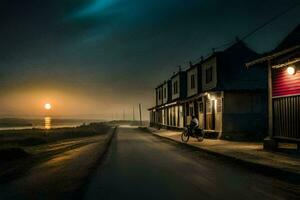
x: 228, y: 98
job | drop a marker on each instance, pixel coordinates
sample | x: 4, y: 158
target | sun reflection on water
x: 47, y: 122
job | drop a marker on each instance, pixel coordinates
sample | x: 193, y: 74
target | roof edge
x: 272, y: 56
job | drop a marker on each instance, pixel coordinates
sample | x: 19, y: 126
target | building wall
x: 232, y: 73
x: 171, y: 116
x: 219, y: 114
x: 151, y: 117
x: 286, y: 102
x: 286, y: 117
x: 181, y: 116
x: 245, y: 112
x: 284, y: 84
x: 192, y: 91
x: 200, y: 112
x: 211, y: 63
x: 189, y: 112
x: 163, y: 117
x: 211, y: 111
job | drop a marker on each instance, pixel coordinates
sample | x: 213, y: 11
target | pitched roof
x: 291, y: 40
x: 289, y: 44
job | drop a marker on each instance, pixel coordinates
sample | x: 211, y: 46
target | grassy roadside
x: 21, y: 149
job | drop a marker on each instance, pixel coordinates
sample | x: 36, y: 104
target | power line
x: 271, y: 20
x: 228, y: 43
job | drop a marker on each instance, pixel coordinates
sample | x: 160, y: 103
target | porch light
x: 291, y: 70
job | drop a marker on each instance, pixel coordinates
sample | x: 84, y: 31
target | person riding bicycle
x: 194, y: 123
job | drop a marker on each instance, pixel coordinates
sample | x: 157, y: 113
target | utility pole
x: 123, y: 115
x: 133, y: 118
x: 140, y: 108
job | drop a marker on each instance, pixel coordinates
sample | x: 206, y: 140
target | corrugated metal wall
x: 287, y: 117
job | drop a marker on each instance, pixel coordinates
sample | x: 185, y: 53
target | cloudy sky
x: 94, y: 58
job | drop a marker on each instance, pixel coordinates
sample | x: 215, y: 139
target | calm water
x: 49, y: 123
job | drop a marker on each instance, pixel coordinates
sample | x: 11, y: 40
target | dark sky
x: 91, y: 58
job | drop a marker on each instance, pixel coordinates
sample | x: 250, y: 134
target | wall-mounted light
x: 291, y: 70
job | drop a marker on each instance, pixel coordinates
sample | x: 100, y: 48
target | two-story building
x: 168, y: 111
x: 194, y: 89
x: 159, y: 102
x: 233, y: 102
x: 228, y: 99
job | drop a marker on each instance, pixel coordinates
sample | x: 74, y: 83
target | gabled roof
x: 160, y: 85
x: 177, y: 73
x: 239, y: 45
x: 236, y: 45
x: 273, y: 56
x: 291, y: 40
x: 290, y: 44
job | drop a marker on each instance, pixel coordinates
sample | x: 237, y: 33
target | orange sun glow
x: 47, y: 106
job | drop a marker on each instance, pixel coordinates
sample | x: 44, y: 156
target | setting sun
x: 47, y: 106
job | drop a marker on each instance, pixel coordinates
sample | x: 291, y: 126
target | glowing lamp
x: 291, y: 70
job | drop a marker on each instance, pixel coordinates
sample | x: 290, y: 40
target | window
x: 208, y: 77
x: 191, y: 111
x: 159, y: 94
x: 165, y: 92
x: 175, y: 85
x: 192, y: 81
x: 219, y: 105
x: 209, y: 107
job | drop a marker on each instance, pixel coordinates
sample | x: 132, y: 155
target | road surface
x: 141, y: 166
x: 63, y: 174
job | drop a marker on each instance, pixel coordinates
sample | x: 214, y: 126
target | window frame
x: 159, y: 94
x: 175, y: 85
x: 209, y: 75
x: 193, y: 82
